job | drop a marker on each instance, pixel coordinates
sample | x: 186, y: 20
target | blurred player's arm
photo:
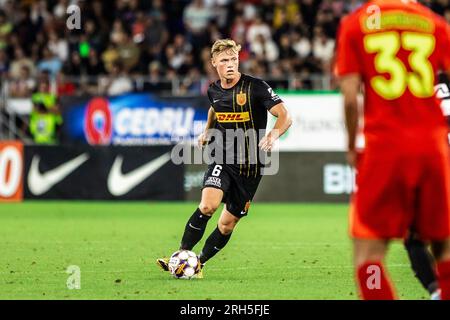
x: 348, y: 70
x: 203, y: 138
x: 446, y: 56
x: 284, y: 121
x: 350, y: 85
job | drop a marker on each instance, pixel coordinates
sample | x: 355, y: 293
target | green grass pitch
x: 280, y: 251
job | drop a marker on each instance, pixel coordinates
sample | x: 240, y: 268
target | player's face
x: 226, y: 64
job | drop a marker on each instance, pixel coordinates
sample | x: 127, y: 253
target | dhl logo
x: 233, y: 116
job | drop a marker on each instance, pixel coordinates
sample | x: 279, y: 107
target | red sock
x: 373, y: 282
x: 443, y: 274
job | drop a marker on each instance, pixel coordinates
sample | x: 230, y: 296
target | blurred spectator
x: 94, y: 64
x: 110, y: 55
x: 74, y: 67
x: 49, y: 62
x: 301, y: 45
x: 238, y: 28
x: 308, y: 9
x: 196, y: 18
x: 219, y: 7
x: 5, y: 29
x: 258, y: 27
x: 155, y: 82
x: 173, y: 58
x: 64, y: 86
x: 4, y: 63
x: 214, y: 32
x: 285, y: 12
x: 353, y: 5
x: 192, y: 83
x: 44, y: 96
x: 59, y: 10
x: 264, y: 48
x: 58, y: 46
x: 170, y: 39
x: 23, y: 85
x: 188, y: 64
x: 323, y: 47
x: 286, y: 50
x: 156, y: 34
x: 20, y: 61
x: 117, y: 82
x: 128, y: 51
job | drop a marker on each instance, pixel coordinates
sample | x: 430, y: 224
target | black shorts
x: 238, y: 190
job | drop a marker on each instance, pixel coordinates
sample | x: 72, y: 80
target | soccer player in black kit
x: 239, y: 103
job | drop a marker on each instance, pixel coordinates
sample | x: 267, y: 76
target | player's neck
x: 230, y: 83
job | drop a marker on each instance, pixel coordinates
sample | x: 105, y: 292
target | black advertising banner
x: 301, y: 177
x: 309, y: 177
x: 102, y: 173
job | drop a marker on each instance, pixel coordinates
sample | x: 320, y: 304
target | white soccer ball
x: 183, y: 264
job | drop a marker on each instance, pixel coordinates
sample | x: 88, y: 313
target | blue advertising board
x: 133, y: 119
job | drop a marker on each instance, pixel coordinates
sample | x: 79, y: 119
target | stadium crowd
x: 162, y: 40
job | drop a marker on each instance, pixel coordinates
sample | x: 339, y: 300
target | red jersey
x: 397, y: 47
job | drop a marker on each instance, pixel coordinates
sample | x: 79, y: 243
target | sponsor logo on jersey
x: 273, y: 95
x: 213, y: 181
x: 233, y: 116
x: 241, y: 99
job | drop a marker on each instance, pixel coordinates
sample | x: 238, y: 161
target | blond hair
x: 224, y: 44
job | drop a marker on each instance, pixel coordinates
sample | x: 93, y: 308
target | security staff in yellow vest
x: 44, y: 125
x: 45, y: 119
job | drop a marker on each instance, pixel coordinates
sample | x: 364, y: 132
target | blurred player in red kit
x: 394, y: 49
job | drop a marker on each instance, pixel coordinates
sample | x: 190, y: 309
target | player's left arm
x: 284, y: 121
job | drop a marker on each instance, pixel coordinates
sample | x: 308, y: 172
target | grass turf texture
x: 280, y: 251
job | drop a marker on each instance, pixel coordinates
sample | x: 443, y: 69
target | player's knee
x: 227, y: 227
x: 369, y: 253
x: 208, y: 208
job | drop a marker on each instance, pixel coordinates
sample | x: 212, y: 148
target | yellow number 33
x: 387, y: 44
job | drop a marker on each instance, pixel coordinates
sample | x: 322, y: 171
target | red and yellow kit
x: 403, y: 181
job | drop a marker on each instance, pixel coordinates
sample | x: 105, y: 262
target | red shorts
x: 399, y: 191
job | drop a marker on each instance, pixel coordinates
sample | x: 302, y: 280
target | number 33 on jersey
x: 398, y: 59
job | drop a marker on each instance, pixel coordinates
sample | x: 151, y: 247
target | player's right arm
x: 348, y: 71
x: 203, y: 138
x: 350, y: 85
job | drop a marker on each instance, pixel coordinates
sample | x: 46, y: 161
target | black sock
x: 194, y: 230
x: 215, y: 242
x: 422, y: 263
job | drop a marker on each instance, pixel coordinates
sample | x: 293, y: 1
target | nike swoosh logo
x: 120, y: 184
x: 39, y: 183
x: 214, y: 101
x: 190, y: 225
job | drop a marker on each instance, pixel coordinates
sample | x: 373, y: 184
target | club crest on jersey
x: 241, y: 99
x: 233, y: 116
